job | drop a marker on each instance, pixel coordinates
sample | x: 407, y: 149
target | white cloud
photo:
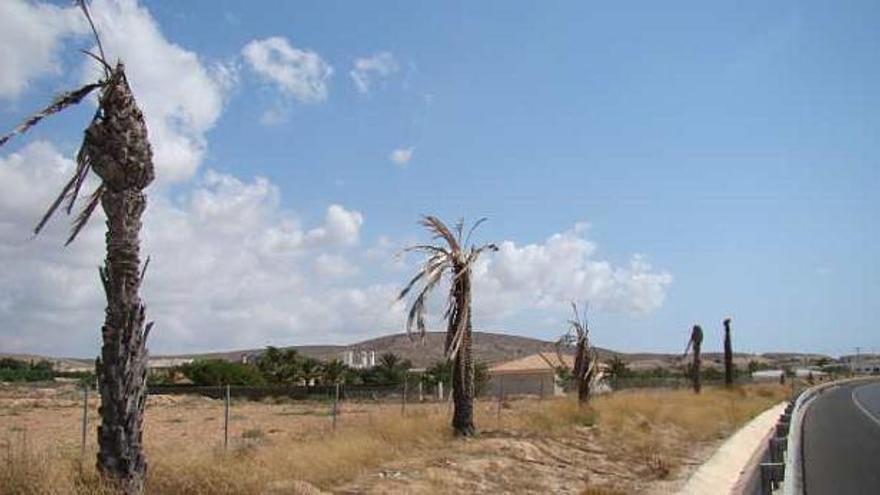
x: 230, y: 268
x: 30, y: 34
x: 563, y: 269
x: 300, y: 74
x: 369, y: 70
x: 334, y: 266
x: 181, y: 98
x: 340, y: 227
x: 401, y: 156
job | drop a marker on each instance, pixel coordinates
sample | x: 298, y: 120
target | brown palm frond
x: 104, y: 64
x: 85, y: 214
x: 102, y: 58
x: 83, y: 165
x: 71, y: 189
x: 432, y: 264
x: 441, y: 231
x: 427, y: 248
x: 54, y: 206
x: 459, y: 228
x: 417, y: 311
x: 60, y: 102
x: 475, y: 252
x: 472, y: 229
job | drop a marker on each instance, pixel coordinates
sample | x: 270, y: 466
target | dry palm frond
x: 85, y: 214
x: 441, y: 231
x: 60, y: 102
x: 585, y: 369
x: 71, y: 189
x: 455, y: 258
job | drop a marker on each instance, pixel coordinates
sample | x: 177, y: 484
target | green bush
x: 212, y: 372
x: 14, y: 370
x: 441, y: 371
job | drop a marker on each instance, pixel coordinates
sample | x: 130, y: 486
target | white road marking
x: 863, y: 408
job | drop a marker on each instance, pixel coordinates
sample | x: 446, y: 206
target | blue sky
x: 734, y: 147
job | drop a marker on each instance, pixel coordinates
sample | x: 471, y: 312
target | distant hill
x: 489, y: 347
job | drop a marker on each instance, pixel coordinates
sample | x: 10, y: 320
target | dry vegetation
x: 635, y: 441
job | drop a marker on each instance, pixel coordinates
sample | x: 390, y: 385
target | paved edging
x: 723, y: 470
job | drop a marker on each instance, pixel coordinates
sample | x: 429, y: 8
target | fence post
x: 421, y: 398
x: 440, y: 390
x: 335, y: 406
x: 85, y: 424
x: 405, y: 387
x: 226, y: 420
x: 500, y: 395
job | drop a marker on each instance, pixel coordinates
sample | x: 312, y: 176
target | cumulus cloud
x: 180, y: 96
x: 369, y: 70
x: 30, y: 34
x: 300, y: 74
x: 562, y: 269
x: 230, y: 268
x: 401, y: 156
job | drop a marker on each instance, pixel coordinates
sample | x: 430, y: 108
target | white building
x: 767, y: 375
x: 359, y: 358
x: 865, y: 366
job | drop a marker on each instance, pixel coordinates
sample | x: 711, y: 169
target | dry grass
x: 276, y: 447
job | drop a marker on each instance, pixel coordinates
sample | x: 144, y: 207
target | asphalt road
x: 841, y: 441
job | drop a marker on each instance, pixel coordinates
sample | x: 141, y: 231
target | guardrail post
x: 782, y: 429
x: 771, y: 474
x: 777, y: 449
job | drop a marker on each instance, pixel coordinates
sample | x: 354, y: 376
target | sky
x: 663, y: 164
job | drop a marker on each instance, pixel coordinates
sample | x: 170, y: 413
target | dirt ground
x: 508, y: 456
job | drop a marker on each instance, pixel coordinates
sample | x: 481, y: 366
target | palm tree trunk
x: 463, y: 365
x: 581, y: 366
x: 728, y: 355
x: 122, y: 368
x: 697, y: 381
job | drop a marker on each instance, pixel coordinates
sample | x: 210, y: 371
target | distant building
x: 767, y: 375
x: 534, y: 375
x: 531, y: 375
x: 158, y: 365
x: 865, y: 366
x: 808, y: 372
x: 359, y: 358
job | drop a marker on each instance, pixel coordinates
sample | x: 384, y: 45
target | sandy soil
x: 503, y: 459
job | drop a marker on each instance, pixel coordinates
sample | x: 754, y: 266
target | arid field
x: 627, y: 442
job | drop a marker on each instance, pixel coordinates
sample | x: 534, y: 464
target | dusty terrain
x: 630, y: 442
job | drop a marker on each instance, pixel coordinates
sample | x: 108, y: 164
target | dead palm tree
x: 696, y: 341
x: 454, y: 258
x: 115, y: 146
x: 586, y: 365
x: 728, y: 355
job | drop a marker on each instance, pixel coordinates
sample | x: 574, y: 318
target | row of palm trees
x: 695, y: 342
x: 117, y: 149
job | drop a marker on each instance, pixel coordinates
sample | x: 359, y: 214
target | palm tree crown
x: 456, y: 258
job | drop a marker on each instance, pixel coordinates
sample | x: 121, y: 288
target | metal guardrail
x: 784, y: 471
